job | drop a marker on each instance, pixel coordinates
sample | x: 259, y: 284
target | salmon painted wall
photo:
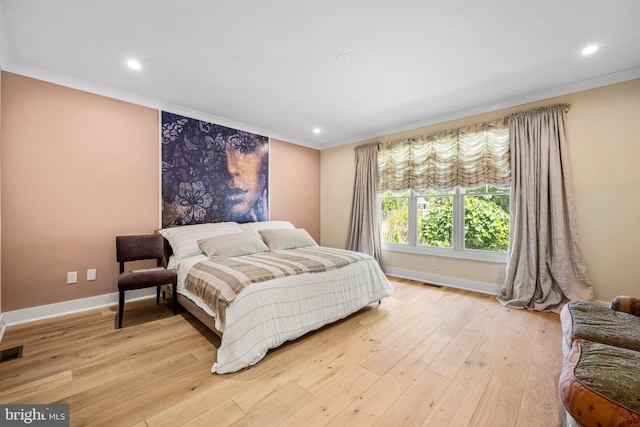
x: 77, y: 169
x: 295, y: 186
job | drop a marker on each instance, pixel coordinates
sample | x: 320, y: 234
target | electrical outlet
x: 91, y: 274
x: 434, y: 261
x: 72, y: 277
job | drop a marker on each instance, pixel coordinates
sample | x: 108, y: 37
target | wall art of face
x: 248, y: 168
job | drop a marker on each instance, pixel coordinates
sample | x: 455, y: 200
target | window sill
x: 495, y: 257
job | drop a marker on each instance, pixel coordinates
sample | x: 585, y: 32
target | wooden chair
x: 142, y: 247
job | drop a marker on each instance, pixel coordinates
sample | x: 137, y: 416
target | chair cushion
x: 600, y: 384
x: 598, y: 323
x: 145, y: 279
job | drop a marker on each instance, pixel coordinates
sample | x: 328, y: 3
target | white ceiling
x: 270, y: 66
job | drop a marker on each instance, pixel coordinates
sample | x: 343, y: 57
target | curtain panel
x: 545, y: 267
x: 468, y: 157
x: 364, y: 224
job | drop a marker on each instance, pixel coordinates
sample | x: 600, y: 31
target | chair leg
x: 174, y: 290
x: 120, y: 309
x: 158, y: 295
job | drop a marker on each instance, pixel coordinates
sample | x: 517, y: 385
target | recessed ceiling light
x: 589, y: 49
x: 316, y: 130
x: 134, y: 64
x: 343, y: 57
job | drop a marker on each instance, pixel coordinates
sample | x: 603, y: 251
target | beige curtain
x: 467, y: 157
x: 545, y: 267
x: 364, y: 227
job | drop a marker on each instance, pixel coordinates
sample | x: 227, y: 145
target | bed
x: 258, y: 285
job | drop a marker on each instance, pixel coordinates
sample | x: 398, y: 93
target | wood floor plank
x: 335, y: 363
x: 459, y: 401
x: 139, y: 394
x: 29, y: 391
x: 378, y: 398
x: 496, y: 406
x: 426, y: 356
x: 357, y: 349
x: 546, y: 350
x: 396, y: 349
x: 82, y: 379
x: 328, y: 404
x: 85, y: 350
x: 449, y: 362
x: 518, y: 353
x: 465, y: 309
x: 483, y: 319
x: 539, y: 404
x: 218, y: 391
x: 276, y: 407
x: 488, y: 353
x: 414, y: 405
x: 223, y: 415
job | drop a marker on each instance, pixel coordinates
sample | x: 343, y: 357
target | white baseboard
x: 67, y: 307
x: 3, y: 326
x: 58, y: 309
x: 453, y: 282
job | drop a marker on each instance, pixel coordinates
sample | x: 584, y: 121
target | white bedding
x: 267, y: 314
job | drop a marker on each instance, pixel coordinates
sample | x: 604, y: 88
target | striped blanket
x: 218, y: 281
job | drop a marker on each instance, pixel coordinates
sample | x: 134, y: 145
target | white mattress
x: 267, y: 314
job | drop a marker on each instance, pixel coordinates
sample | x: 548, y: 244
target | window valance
x: 468, y: 157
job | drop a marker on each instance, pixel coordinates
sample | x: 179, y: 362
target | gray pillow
x: 287, y: 238
x: 230, y: 245
x: 184, y: 239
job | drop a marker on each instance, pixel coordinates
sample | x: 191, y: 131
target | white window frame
x: 457, y: 250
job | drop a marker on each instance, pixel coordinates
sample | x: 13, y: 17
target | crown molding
x: 121, y: 95
x: 525, y: 98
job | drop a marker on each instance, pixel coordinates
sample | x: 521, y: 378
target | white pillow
x: 254, y: 227
x: 184, y: 239
x: 230, y: 245
x: 278, y: 239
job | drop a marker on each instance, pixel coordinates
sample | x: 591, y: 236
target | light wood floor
x: 426, y: 356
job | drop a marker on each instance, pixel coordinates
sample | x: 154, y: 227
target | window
x: 470, y: 219
x: 463, y: 223
x: 395, y: 218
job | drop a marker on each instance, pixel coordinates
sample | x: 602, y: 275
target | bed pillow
x: 286, y: 238
x: 184, y: 239
x: 230, y: 245
x: 255, y: 227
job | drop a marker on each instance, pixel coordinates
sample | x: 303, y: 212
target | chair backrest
x: 140, y: 247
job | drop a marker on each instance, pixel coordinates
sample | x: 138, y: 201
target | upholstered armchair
x: 600, y: 376
x: 626, y: 304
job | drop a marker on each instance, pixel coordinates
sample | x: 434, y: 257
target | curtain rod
x: 566, y: 108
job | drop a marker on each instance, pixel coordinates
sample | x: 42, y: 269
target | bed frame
x: 199, y: 314
x: 185, y: 302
